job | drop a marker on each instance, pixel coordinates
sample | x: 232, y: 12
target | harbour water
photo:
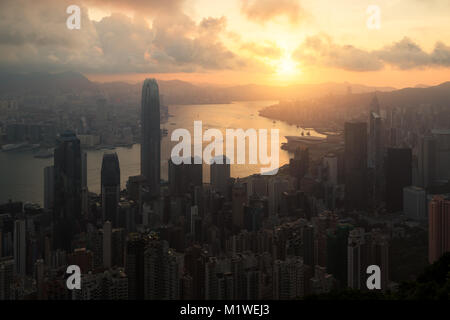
x: 22, y: 177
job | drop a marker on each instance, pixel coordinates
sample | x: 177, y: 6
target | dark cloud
x: 262, y: 11
x: 34, y: 37
x: 405, y: 54
x: 321, y: 50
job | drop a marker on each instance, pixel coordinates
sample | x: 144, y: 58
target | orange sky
x: 273, y: 42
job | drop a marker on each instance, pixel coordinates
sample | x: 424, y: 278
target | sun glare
x: 286, y: 66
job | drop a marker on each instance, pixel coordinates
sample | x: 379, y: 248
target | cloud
x: 406, y: 54
x: 262, y: 11
x: 148, y: 7
x: 268, y: 49
x: 34, y: 37
x: 320, y: 50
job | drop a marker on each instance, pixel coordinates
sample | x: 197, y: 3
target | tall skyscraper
x: 150, y: 141
x: 427, y: 161
x: 298, y: 166
x: 415, y: 203
x: 6, y: 277
x: 239, y: 199
x: 107, y: 244
x: 184, y: 177
x: 398, y: 176
x: 67, y: 206
x: 110, y: 177
x: 355, y: 162
x: 20, y: 247
x: 220, y: 175
x: 49, y: 187
x: 438, y: 227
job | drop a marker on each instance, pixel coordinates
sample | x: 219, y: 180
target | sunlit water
x: 22, y: 177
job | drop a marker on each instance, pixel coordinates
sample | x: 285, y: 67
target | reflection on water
x: 21, y: 175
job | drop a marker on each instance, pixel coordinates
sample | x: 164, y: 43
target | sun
x: 286, y: 66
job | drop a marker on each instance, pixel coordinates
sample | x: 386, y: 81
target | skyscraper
x: 438, y: 227
x: 220, y: 175
x: 355, y: 162
x: 20, y: 247
x: 398, y: 176
x: 150, y: 141
x: 110, y: 188
x: 49, y: 187
x: 67, y: 206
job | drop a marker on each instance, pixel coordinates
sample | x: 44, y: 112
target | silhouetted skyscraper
x: 20, y: 247
x: 355, y: 162
x: 110, y: 188
x: 49, y: 187
x: 150, y: 132
x: 67, y: 205
x: 398, y: 176
x: 438, y: 227
x: 220, y: 175
x: 184, y: 177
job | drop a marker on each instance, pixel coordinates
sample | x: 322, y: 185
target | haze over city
x: 225, y: 155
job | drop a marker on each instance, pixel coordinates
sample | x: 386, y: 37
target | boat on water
x: 44, y: 153
x: 16, y: 147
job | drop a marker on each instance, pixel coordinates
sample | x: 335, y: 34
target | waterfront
x: 21, y: 175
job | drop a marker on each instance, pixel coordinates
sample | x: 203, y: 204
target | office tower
x: 427, y: 161
x: 330, y: 162
x: 84, y: 185
x: 442, y: 137
x: 253, y: 217
x: 379, y: 256
x: 337, y: 252
x: 288, y: 279
x: 107, y: 244
x: 356, y: 258
x: 308, y: 245
x: 298, y: 166
x: 134, y: 267
x: 161, y: 274
x: 374, y: 105
x: 277, y: 186
x: 110, y: 181
x: 67, y: 205
x: 438, y: 227
x: 49, y: 187
x: 355, y: 162
x: 20, y: 247
x: 398, y: 176
x: 6, y: 277
x: 220, y: 175
x: 150, y: 136
x: 118, y: 247
x: 184, y: 177
x: 239, y: 199
x: 375, y: 155
x: 415, y: 203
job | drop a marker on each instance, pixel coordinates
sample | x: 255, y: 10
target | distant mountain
x: 44, y: 83
x: 182, y: 92
x: 408, y: 97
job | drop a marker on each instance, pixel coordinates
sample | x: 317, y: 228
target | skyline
x: 237, y: 42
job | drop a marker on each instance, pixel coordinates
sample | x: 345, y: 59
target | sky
x: 271, y: 42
